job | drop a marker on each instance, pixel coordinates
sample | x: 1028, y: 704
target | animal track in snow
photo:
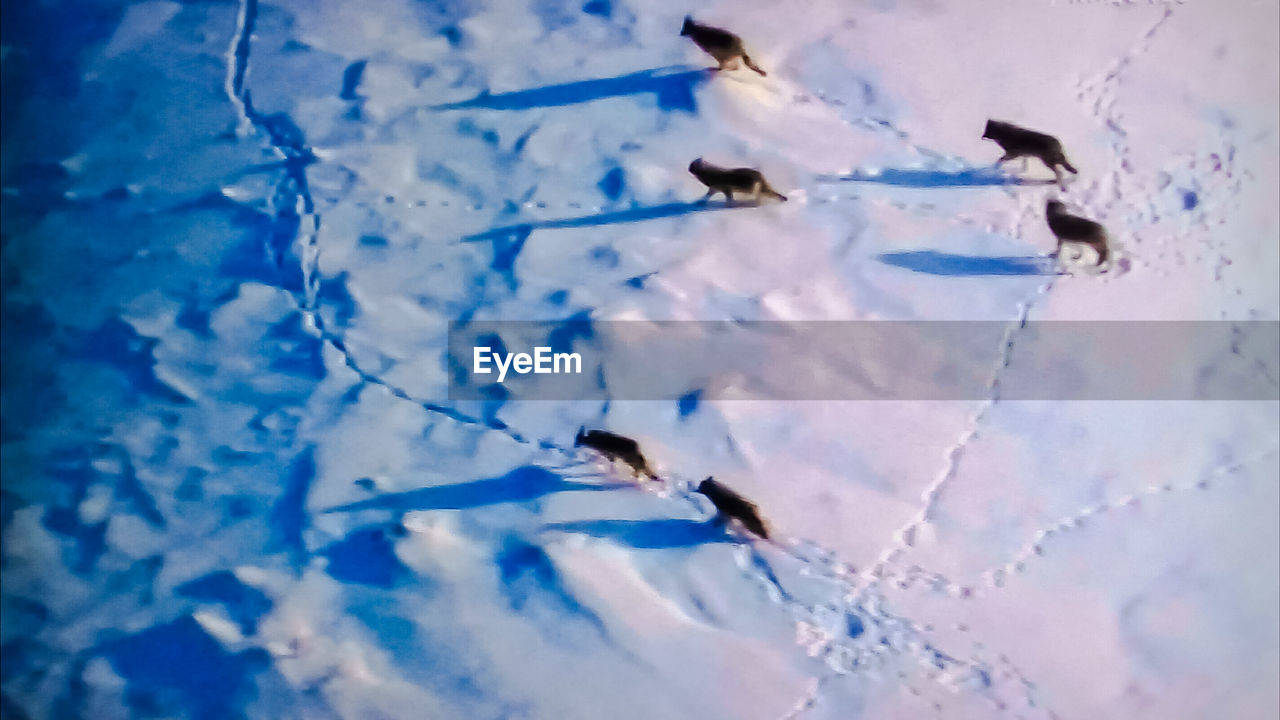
x: 996, y: 577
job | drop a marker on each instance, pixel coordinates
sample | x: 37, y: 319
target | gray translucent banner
x: 580, y: 359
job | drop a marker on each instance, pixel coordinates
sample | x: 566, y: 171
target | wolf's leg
x: 746, y: 60
x: 1005, y: 158
x: 570, y: 465
x: 1100, y: 248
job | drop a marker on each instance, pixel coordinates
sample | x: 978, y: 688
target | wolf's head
x: 987, y: 132
x: 582, y: 434
x: 1054, y: 208
x: 687, y: 28
x: 695, y: 166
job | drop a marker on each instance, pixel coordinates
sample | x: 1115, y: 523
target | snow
x: 235, y: 483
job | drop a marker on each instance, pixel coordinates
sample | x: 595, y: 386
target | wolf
x: 1020, y: 142
x: 729, y: 181
x: 615, y: 447
x: 722, y: 45
x: 1073, y: 229
x: 732, y: 505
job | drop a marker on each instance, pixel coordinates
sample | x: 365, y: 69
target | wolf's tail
x: 746, y: 60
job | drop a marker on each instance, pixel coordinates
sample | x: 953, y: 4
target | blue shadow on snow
x: 650, y: 534
x: 937, y: 263
x: 288, y: 519
x: 366, y: 556
x: 635, y: 214
x: 520, y: 485
x: 922, y: 178
x: 244, y: 604
x: 674, y: 91
x: 179, y: 669
x: 533, y: 585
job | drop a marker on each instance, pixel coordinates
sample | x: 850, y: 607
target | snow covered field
x: 234, y: 484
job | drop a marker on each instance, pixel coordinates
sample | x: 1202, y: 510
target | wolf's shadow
x: 635, y: 214
x: 938, y: 263
x: 972, y: 177
x: 672, y: 86
x: 520, y: 485
x: 650, y: 534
